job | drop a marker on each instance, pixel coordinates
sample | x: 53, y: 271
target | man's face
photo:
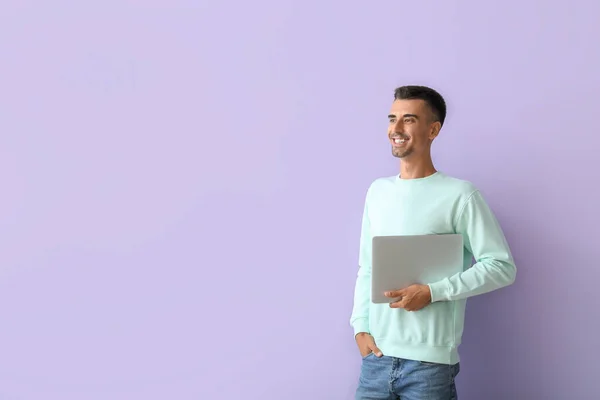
x: 411, y: 129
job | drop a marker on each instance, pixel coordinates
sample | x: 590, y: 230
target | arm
x: 362, y: 290
x: 494, y: 267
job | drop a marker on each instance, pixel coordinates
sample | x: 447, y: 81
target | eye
x: 408, y: 120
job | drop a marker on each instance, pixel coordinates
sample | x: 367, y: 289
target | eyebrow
x: 404, y: 116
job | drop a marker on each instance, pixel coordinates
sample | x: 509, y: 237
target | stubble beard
x: 399, y: 153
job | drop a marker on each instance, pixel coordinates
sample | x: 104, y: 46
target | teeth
x: 399, y: 141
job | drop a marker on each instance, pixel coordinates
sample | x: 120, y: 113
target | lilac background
x: 182, y: 186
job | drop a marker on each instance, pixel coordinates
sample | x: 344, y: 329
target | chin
x: 402, y: 154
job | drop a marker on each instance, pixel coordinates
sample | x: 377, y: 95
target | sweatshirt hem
x: 419, y: 351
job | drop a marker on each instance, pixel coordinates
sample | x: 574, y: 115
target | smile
x: 399, y: 141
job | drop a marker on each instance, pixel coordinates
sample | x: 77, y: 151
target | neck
x: 415, y: 169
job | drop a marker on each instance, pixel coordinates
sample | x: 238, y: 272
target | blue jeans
x: 391, y: 378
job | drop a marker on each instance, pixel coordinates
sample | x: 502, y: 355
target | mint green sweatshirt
x: 436, y: 204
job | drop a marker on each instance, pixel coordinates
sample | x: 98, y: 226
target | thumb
x: 375, y: 349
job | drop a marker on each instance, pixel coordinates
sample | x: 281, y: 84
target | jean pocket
x: 367, y: 356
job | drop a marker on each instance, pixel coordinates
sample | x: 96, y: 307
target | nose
x: 397, y: 127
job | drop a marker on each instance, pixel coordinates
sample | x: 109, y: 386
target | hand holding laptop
x: 404, y: 265
x: 412, y: 298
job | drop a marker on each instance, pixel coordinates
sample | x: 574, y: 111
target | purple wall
x: 182, y: 186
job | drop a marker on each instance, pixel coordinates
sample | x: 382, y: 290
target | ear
x: 435, y: 130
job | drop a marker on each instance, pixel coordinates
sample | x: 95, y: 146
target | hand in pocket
x: 366, y: 345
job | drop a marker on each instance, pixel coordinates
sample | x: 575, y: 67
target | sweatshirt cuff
x: 361, y: 325
x: 439, y: 291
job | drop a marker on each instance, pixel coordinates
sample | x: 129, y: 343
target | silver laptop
x: 400, y: 261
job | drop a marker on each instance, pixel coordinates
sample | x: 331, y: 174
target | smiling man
x: 409, y: 348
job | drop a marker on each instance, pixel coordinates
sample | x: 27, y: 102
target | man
x: 409, y: 347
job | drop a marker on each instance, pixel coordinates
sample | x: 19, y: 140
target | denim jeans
x: 391, y: 378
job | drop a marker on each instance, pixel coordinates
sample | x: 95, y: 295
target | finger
x: 375, y: 350
x: 394, y: 293
x: 397, y: 304
x: 402, y: 303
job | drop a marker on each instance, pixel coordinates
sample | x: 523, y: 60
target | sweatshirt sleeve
x: 359, y: 319
x: 494, y: 266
